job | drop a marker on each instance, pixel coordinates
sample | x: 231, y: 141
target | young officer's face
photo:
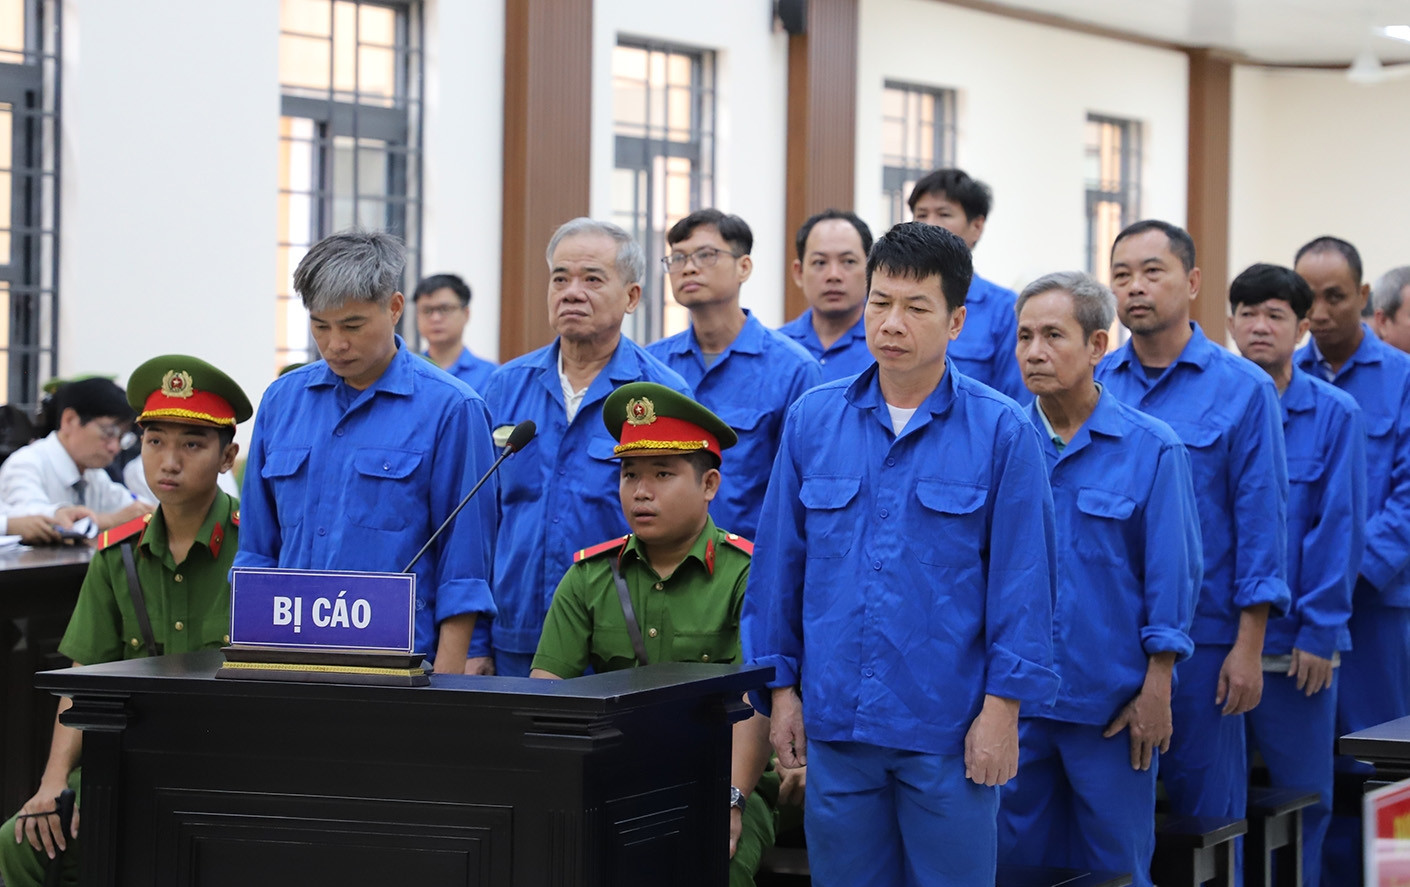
x: 1053, y: 353
x: 909, y: 326
x: 358, y: 338
x: 663, y: 500
x: 182, y: 462
x: 1267, y: 333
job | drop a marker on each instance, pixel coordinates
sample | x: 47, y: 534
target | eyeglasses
x: 705, y: 257
x: 438, y: 310
x: 119, y: 433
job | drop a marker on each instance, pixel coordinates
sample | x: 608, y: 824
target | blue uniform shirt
x: 473, y: 371
x: 1225, y: 410
x: 560, y: 493
x: 1377, y: 376
x: 1129, y: 557
x: 985, y: 347
x: 750, y: 386
x: 341, y: 479
x: 1326, y: 442
x: 919, y: 568
x: 846, y: 357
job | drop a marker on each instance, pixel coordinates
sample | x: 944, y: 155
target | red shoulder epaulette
x: 741, y: 543
x: 109, y: 538
x: 611, y: 545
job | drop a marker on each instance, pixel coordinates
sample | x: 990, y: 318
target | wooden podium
x: 614, y: 779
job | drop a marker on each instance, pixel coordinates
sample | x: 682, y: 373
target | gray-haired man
x: 1392, y: 319
x: 357, y: 458
x: 565, y: 496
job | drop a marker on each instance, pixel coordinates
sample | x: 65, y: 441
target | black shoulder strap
x: 139, y: 601
x: 633, y: 629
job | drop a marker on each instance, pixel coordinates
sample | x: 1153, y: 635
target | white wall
x: 751, y: 79
x: 1313, y: 154
x: 463, y: 152
x: 1024, y: 94
x: 168, y: 227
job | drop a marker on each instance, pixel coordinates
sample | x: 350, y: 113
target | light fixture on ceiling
x: 1395, y: 32
x: 1366, y: 69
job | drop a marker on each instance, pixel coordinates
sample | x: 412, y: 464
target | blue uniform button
x: 339, y: 432
x: 562, y: 472
x: 890, y: 463
x: 555, y: 519
x: 885, y: 513
x: 323, y: 531
x: 876, y: 565
x: 867, y: 672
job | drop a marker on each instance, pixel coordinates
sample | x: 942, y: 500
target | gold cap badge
x: 177, y: 383
x: 640, y: 411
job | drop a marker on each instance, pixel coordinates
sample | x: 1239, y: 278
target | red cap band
x: 665, y: 434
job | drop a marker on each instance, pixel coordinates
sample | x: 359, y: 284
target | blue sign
x: 308, y: 609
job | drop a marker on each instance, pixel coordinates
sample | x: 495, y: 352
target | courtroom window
x: 30, y: 67
x: 350, y: 74
x: 1113, y: 174
x: 663, y: 112
x: 917, y: 137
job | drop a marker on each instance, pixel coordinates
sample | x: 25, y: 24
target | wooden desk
x: 1387, y: 746
x: 38, y: 588
x: 619, y: 778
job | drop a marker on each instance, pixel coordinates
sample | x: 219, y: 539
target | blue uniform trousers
x: 1077, y: 802
x: 1293, y: 732
x: 1374, y: 687
x: 512, y: 665
x: 1206, y: 770
x: 886, y: 817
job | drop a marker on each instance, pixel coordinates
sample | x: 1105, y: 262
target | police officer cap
x: 648, y: 419
x: 181, y: 388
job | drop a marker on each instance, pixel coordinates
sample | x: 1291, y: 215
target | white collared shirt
x: 39, y: 478
x: 571, y: 399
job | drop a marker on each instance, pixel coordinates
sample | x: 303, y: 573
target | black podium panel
x: 616, y: 779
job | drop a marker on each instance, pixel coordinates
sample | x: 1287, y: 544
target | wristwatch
x: 736, y: 798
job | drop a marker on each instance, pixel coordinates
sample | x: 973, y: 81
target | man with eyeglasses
x: 442, y: 310
x: 61, y: 476
x: 744, y: 372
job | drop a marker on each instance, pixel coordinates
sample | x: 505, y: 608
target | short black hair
x: 801, y: 241
x: 453, y: 282
x: 91, y: 399
x: 973, y: 196
x: 733, y: 230
x: 917, y: 251
x: 1328, y: 244
x: 1258, y: 283
x: 702, y: 461
x: 1181, y: 243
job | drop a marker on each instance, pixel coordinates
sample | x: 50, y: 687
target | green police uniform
x: 690, y: 616
x: 188, y: 604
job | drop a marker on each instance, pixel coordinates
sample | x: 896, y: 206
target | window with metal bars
x: 917, y: 137
x: 663, y: 112
x: 29, y: 197
x: 350, y: 74
x: 1113, y: 172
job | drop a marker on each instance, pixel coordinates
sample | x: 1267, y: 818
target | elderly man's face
x: 1394, y: 328
x: 587, y: 297
x: 1053, y: 353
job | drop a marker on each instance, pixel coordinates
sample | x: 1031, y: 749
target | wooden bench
x: 1193, y: 850
x: 1275, y: 835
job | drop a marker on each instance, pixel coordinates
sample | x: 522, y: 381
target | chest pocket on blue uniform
x: 973, y: 346
x: 1380, y: 453
x: 950, y: 522
x: 283, y: 469
x: 1203, y: 443
x: 603, y: 480
x: 828, y: 528
x: 1102, y: 536
x: 387, y: 493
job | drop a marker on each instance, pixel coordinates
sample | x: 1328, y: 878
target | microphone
x: 518, y: 439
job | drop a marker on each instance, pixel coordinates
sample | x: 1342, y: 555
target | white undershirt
x: 572, y: 400
x: 900, y: 417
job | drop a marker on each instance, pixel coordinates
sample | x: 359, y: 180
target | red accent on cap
x: 660, y: 434
x: 201, y: 406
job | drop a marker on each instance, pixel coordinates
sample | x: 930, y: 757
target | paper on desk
x: 8, y: 542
